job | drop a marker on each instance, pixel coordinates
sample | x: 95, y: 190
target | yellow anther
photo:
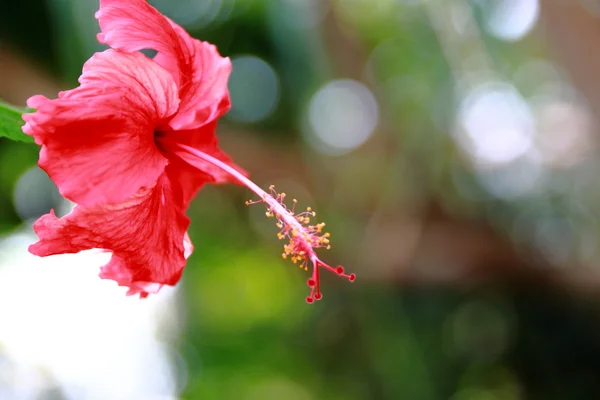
x: 327, y: 234
x: 272, y: 187
x: 308, y: 209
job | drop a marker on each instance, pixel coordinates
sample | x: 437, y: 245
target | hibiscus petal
x: 132, y: 25
x: 206, y: 96
x: 146, y: 235
x: 197, y: 67
x: 98, y: 139
x: 192, y: 178
x: 114, y: 270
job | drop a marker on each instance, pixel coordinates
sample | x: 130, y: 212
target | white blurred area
x: 496, y: 124
x: 67, y: 334
x: 342, y: 115
x: 510, y: 20
x: 514, y: 142
x: 517, y: 129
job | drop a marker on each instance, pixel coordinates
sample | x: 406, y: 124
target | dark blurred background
x: 451, y: 147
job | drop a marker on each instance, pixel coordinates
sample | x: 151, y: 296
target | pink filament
x: 303, y: 239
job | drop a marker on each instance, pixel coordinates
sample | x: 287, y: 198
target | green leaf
x: 11, y: 123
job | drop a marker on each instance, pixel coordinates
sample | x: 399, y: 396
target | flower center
x: 158, y: 137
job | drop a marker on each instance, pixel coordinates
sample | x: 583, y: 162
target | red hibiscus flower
x: 133, y: 144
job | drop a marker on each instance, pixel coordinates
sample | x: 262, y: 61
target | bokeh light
x: 342, y: 115
x: 496, y: 125
x: 254, y: 88
x: 565, y: 137
x: 35, y: 194
x: 510, y: 20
